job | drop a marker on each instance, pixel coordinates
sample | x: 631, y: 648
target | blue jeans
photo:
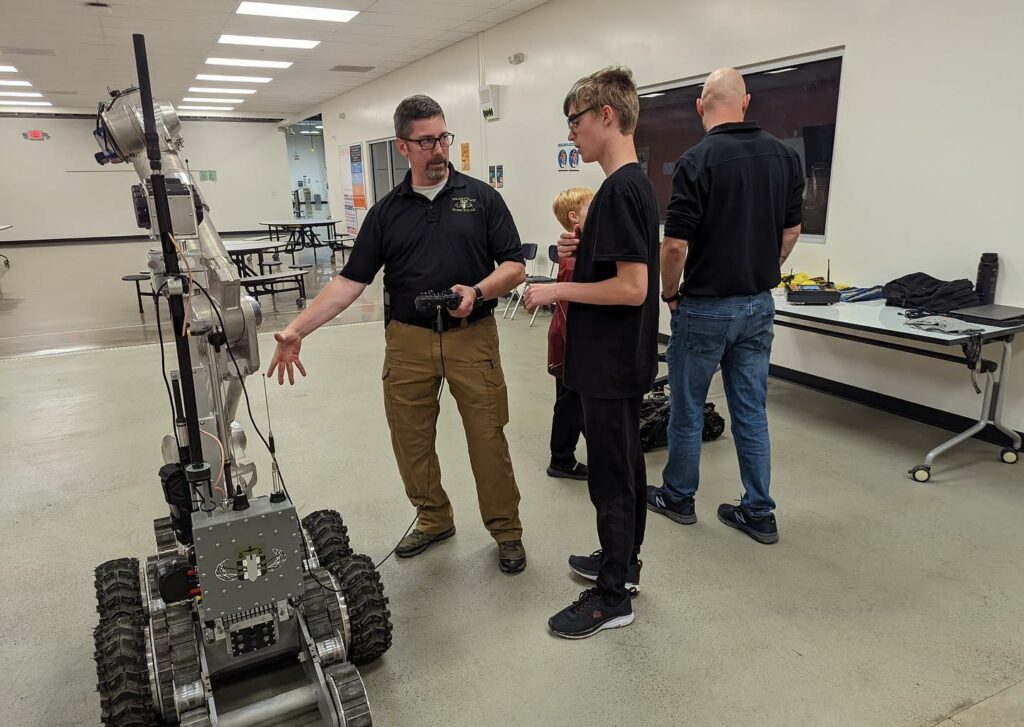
x: 734, y: 333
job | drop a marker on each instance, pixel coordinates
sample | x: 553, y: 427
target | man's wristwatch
x: 671, y: 298
x: 479, y: 300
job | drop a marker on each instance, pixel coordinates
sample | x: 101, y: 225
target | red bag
x: 556, y: 329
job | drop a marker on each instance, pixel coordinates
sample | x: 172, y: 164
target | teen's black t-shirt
x: 611, y: 351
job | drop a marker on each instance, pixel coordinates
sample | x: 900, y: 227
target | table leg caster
x: 921, y: 473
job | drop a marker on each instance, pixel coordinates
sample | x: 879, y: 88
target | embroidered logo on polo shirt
x: 463, y: 204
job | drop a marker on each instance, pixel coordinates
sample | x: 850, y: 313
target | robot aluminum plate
x: 248, y: 558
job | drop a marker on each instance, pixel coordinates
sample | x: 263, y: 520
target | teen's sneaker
x: 589, y: 614
x: 762, y: 529
x: 417, y: 541
x: 587, y: 566
x: 578, y: 471
x: 680, y: 511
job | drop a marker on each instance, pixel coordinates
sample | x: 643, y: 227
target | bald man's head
x: 724, y: 96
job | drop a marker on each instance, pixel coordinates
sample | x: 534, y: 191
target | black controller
x: 431, y: 301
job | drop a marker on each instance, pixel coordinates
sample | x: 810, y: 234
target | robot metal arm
x: 215, y: 301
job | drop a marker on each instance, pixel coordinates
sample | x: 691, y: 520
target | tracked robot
x: 239, y: 584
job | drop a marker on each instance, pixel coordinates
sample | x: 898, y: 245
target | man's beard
x: 436, y: 173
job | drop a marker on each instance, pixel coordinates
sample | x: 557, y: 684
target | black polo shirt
x: 611, y: 351
x: 732, y: 196
x: 456, y: 239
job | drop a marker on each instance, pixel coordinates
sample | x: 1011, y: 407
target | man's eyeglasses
x: 428, y: 143
x: 574, y: 120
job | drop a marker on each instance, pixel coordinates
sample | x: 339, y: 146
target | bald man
x: 734, y: 217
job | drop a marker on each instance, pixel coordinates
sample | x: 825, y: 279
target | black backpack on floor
x: 654, y: 422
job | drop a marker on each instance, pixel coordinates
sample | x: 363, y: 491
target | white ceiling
x: 92, y: 47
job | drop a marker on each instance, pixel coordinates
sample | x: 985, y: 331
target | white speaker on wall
x: 489, y: 103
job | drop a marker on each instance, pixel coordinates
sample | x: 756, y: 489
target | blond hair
x: 612, y: 86
x: 570, y: 200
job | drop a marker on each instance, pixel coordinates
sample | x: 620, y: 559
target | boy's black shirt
x: 612, y: 350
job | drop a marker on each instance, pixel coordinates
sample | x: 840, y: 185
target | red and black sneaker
x: 589, y: 614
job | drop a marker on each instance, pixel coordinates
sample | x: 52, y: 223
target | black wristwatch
x: 479, y: 301
x: 671, y: 298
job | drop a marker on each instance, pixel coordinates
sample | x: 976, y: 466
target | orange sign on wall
x: 355, y: 156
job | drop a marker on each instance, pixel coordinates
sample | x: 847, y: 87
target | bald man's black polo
x: 732, y: 196
x: 456, y: 239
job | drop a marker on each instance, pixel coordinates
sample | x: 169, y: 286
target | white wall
x: 54, y: 189
x: 928, y: 144
x: 448, y: 76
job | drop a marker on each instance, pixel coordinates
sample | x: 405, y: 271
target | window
x: 389, y: 167
x: 796, y: 103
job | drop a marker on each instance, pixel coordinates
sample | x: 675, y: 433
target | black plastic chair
x: 551, y: 278
x: 529, y: 252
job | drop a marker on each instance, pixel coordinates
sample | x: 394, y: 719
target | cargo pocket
x: 706, y: 333
x: 387, y: 394
x: 497, y: 396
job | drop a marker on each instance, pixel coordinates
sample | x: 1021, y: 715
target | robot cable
x: 273, y: 455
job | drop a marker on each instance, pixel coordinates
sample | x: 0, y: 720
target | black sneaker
x: 590, y: 614
x: 577, y: 472
x: 680, y: 511
x: 762, y: 529
x: 587, y: 566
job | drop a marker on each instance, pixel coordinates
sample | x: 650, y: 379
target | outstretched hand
x: 286, y: 356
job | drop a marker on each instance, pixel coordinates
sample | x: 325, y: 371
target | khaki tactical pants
x: 411, y: 377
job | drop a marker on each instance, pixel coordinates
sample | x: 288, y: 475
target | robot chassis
x: 238, y: 583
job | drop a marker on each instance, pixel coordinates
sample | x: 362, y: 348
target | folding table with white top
x: 874, y: 318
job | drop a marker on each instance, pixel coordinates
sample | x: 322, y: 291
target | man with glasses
x: 611, y: 342
x: 436, y: 230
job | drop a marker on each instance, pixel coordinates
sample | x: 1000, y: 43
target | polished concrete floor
x: 887, y: 603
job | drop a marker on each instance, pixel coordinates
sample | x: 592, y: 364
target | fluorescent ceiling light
x: 314, y: 133
x: 21, y: 94
x: 653, y: 95
x: 247, y: 63
x: 211, y: 100
x: 240, y: 79
x: 781, y: 70
x: 15, y: 83
x: 318, y: 127
x: 301, y: 12
x: 8, y: 69
x: 268, y: 42
x: 208, y: 108
x: 25, y: 103
x: 200, y: 89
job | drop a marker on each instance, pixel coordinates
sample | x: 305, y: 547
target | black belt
x: 447, y: 321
